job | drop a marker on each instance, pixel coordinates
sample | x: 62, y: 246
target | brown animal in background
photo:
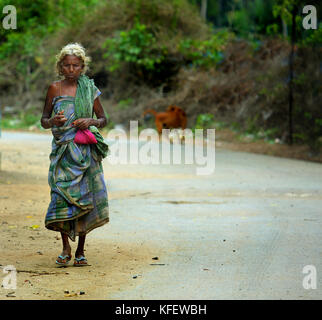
x: 174, y: 117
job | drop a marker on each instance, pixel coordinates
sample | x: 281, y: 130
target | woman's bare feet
x: 66, y: 255
x: 80, y: 259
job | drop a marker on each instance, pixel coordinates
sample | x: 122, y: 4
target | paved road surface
x: 244, y: 232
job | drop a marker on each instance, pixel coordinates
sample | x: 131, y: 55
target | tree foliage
x: 137, y: 46
x: 206, y: 53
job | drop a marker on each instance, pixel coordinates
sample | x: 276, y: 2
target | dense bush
x: 137, y: 46
x: 205, y: 53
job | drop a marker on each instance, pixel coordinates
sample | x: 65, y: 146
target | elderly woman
x: 79, y: 201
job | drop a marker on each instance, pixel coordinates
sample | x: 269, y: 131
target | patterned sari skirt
x: 79, y: 200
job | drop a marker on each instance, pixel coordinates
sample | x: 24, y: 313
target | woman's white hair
x: 75, y: 49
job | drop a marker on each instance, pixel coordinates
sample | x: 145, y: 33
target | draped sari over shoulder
x: 79, y: 199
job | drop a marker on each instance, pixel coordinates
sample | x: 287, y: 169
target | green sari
x: 79, y: 199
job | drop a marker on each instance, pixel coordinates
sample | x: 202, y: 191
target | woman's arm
x: 100, y: 114
x: 46, y: 120
x: 100, y: 122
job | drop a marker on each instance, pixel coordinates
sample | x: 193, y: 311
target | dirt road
x: 244, y: 232
x: 32, y: 249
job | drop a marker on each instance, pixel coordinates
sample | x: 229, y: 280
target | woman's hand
x: 83, y: 123
x: 59, y: 119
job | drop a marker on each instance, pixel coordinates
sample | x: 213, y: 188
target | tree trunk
x: 220, y: 13
x: 291, y: 75
x: 285, y: 33
x: 204, y: 9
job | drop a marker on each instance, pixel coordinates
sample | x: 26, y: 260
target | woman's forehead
x: 72, y: 59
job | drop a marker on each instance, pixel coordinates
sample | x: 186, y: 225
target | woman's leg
x: 80, y: 251
x: 66, y: 249
x: 80, y: 248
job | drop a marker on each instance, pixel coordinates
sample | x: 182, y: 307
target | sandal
x: 78, y: 263
x: 63, y: 264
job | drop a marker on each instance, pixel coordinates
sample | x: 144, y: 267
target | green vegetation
x: 125, y: 104
x: 37, y: 20
x: 205, y: 53
x: 162, y: 50
x: 139, y: 49
x: 22, y: 121
x: 136, y: 46
x: 205, y: 121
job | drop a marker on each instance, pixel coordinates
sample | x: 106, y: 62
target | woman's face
x: 72, y: 67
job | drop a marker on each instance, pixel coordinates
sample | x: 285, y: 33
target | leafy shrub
x: 124, y: 104
x: 205, y: 53
x: 137, y: 46
x: 22, y: 121
x: 204, y: 121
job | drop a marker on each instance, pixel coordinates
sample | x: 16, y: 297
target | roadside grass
x: 31, y: 122
x: 23, y: 121
x: 250, y: 134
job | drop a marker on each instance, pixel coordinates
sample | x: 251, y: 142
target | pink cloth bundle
x: 84, y: 137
